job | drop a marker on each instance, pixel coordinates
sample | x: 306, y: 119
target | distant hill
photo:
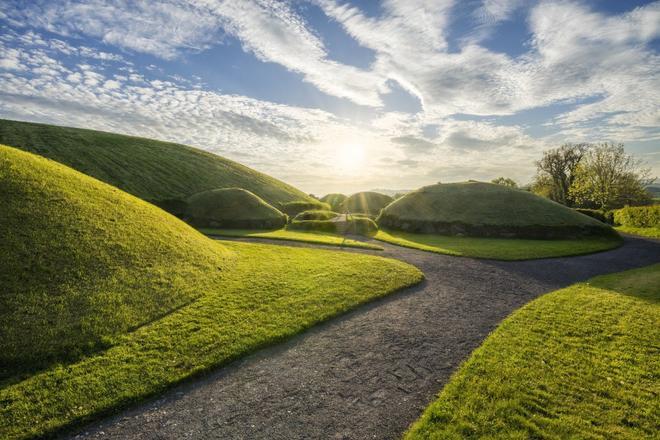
x: 160, y: 172
x: 391, y: 192
x: 366, y: 202
x: 82, y: 262
x: 486, y: 209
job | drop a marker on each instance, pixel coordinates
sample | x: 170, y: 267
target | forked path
x: 369, y: 373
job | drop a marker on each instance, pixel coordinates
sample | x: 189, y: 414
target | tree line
x: 595, y: 176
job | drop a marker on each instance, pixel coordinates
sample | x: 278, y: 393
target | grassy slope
x: 234, y: 204
x: 497, y: 248
x: 581, y: 362
x: 284, y: 234
x: 82, y: 262
x: 642, y: 232
x: 483, y: 204
x: 149, y: 169
x: 289, y: 291
x: 366, y: 202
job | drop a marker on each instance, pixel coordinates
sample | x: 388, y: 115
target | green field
x: 581, y: 362
x: 486, y: 210
x: 107, y: 299
x: 152, y: 170
x: 642, y: 232
x: 285, y: 234
x: 498, y: 248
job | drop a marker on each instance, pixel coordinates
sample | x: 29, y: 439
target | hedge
x: 295, y: 208
x: 598, y: 214
x: 638, y: 216
x: 316, y: 214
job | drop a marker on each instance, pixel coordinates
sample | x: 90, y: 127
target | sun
x: 350, y: 157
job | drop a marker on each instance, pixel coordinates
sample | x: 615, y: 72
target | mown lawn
x: 580, y: 362
x: 285, y: 234
x: 642, y: 232
x: 498, y: 248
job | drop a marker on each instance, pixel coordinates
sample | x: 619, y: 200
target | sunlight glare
x: 351, y: 157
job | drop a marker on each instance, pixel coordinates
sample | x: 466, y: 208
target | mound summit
x: 486, y: 210
x: 162, y: 173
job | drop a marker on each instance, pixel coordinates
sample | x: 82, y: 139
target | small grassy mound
x: 580, y: 362
x: 163, y: 173
x: 352, y: 225
x: 366, y: 202
x: 487, y: 210
x: 316, y: 214
x: 81, y: 263
x: 324, y: 238
x: 232, y: 208
x: 498, y: 248
x: 294, y: 208
x: 335, y: 200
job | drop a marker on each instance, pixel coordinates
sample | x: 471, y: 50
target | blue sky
x: 332, y: 95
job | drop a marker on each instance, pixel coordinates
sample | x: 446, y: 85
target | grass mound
x: 82, y: 263
x: 316, y: 214
x: 294, y: 208
x: 335, y: 200
x: 486, y: 210
x: 367, y: 202
x: 232, y: 208
x: 324, y: 238
x: 580, y: 362
x: 163, y: 173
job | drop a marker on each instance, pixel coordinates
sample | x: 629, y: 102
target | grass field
x: 267, y: 294
x: 498, y: 248
x: 580, y: 362
x: 285, y: 234
x: 486, y: 210
x: 149, y: 169
x: 642, y: 232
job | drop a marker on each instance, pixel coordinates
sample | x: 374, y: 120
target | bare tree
x: 559, y: 167
x: 505, y: 181
x: 610, y: 178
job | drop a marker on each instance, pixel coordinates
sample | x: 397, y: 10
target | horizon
x: 332, y: 96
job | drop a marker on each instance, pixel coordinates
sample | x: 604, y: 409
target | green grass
x: 498, y: 248
x: 580, y: 362
x: 232, y: 207
x: 643, y: 232
x: 107, y: 299
x: 285, y: 234
x: 151, y: 170
x: 82, y: 263
x: 366, y: 202
x: 316, y: 214
x: 486, y: 209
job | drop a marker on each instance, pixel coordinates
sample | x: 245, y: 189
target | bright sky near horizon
x: 332, y: 95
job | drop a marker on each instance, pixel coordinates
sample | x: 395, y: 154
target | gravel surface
x: 371, y: 372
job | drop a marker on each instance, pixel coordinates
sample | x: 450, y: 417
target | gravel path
x: 371, y: 372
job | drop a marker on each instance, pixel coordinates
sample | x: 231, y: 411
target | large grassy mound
x: 160, y: 172
x: 577, y: 363
x: 335, y: 200
x: 367, y: 202
x: 82, y: 262
x: 488, y: 210
x: 232, y: 208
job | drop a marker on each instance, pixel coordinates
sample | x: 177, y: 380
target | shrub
x: 598, y: 214
x: 316, y: 214
x: 638, y: 216
x: 295, y: 208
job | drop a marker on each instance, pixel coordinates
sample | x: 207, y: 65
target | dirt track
x: 369, y: 373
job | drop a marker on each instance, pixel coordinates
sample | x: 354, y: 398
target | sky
x: 339, y: 96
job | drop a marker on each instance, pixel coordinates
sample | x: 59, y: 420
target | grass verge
x: 498, y: 248
x: 285, y: 234
x: 268, y: 294
x: 642, y: 232
x: 581, y: 362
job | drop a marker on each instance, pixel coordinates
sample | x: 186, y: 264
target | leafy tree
x: 505, y: 181
x: 556, y: 171
x: 609, y: 178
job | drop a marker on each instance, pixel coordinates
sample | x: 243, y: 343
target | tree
x: 505, y: 181
x: 609, y: 178
x: 558, y: 169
